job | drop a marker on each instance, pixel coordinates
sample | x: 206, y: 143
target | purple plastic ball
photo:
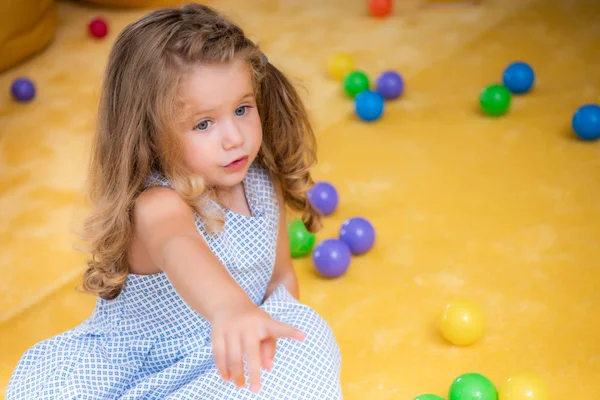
x: 324, y: 197
x: 358, y: 234
x: 390, y: 85
x: 22, y: 89
x: 331, y: 258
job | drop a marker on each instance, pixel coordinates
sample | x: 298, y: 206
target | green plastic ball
x: 356, y: 82
x: 301, y: 240
x: 495, y: 100
x: 472, y: 386
x: 428, y: 397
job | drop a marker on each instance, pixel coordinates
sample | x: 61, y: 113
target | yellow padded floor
x: 502, y: 211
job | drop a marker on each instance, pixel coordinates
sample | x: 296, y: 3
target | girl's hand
x: 247, y: 331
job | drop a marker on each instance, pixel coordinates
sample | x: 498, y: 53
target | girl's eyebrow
x: 247, y: 96
x: 208, y: 110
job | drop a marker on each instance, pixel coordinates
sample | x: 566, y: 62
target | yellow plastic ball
x: 462, y: 323
x: 339, y: 65
x: 524, y: 387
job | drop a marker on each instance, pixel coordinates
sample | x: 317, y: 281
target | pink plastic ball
x: 98, y: 28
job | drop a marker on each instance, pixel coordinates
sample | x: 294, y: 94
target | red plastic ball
x: 380, y: 8
x: 98, y: 28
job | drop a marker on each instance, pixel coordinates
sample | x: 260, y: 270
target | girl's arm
x: 284, y: 271
x: 164, y: 224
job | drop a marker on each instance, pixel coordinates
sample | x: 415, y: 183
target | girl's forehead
x: 208, y: 86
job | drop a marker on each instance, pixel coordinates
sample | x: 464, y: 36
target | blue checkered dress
x: 149, y: 344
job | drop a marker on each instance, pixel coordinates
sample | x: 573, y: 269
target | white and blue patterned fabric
x: 149, y: 344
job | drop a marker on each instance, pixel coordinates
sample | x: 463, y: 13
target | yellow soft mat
x: 502, y: 211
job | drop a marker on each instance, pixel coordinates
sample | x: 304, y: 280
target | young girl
x: 200, y: 145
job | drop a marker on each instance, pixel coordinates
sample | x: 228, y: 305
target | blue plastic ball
x: 518, y: 77
x: 324, y: 197
x: 358, y: 234
x: 390, y: 85
x: 369, y: 105
x: 586, y: 122
x: 331, y: 258
x: 22, y: 89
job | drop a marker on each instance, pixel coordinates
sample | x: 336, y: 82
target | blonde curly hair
x: 136, y: 129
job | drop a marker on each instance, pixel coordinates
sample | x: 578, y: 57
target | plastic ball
x: 301, y: 240
x: 586, y: 122
x: 390, y: 85
x: 324, y: 197
x: 369, y: 105
x: 518, y: 77
x: 380, y: 8
x: 331, y: 258
x: 355, y: 82
x: 22, y: 90
x: 358, y: 234
x: 339, y: 65
x: 462, y: 323
x: 495, y: 100
x: 524, y: 387
x: 472, y: 386
x: 98, y: 28
x: 429, y: 397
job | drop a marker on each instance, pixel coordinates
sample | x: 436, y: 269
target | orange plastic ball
x: 380, y: 8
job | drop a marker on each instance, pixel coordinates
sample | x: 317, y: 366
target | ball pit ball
x: 369, y: 105
x: 429, y: 397
x: 98, y: 28
x: 324, y: 197
x: 390, y: 85
x: 472, y: 386
x: 380, y: 8
x: 462, y: 323
x: 331, y: 258
x: 355, y: 82
x: 518, y: 77
x: 339, y: 65
x: 358, y: 234
x: 495, y: 100
x: 524, y: 387
x: 301, y: 240
x: 22, y: 90
x: 586, y: 122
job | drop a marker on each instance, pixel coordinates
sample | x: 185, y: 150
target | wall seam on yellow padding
x: 66, y: 279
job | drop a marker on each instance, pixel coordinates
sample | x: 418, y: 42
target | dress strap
x: 261, y: 190
x: 156, y: 178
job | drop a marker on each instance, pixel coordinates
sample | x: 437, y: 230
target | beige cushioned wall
x: 26, y: 26
x: 136, y: 3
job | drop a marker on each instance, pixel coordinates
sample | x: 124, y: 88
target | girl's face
x: 221, y: 126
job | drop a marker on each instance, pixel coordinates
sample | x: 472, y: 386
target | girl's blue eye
x: 241, y: 110
x: 203, y: 125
